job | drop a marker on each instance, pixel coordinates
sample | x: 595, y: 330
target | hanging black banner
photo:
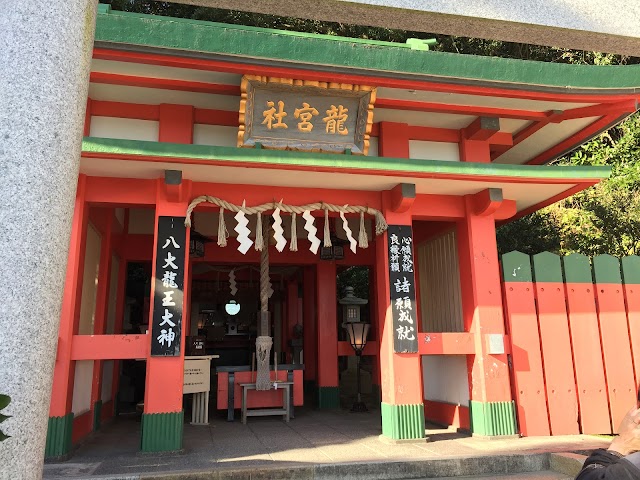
x: 168, y: 287
x: 402, y: 288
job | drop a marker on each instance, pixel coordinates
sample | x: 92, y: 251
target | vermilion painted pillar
x: 328, y: 387
x: 60, y: 414
x: 309, y: 346
x: 292, y: 317
x: 120, y: 304
x: 491, y: 408
x: 402, y: 404
x: 374, y: 334
x: 100, y: 318
x: 163, y: 417
x: 162, y: 421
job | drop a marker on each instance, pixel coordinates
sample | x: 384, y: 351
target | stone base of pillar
x: 162, y: 432
x: 402, y: 422
x: 59, y: 437
x: 491, y: 419
x: 97, y: 413
x: 328, y: 397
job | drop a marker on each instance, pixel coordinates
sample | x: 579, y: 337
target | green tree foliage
x: 4, y: 402
x: 602, y: 219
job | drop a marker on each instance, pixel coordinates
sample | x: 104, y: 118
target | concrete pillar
x: 45, y: 58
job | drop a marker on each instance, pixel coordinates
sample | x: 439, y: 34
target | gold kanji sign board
x: 287, y: 114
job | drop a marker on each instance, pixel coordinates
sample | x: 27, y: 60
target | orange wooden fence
x: 574, y: 327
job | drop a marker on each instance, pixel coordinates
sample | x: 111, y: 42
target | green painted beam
x: 111, y: 146
x: 323, y: 50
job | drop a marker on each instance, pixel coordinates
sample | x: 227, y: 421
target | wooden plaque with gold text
x: 287, y: 114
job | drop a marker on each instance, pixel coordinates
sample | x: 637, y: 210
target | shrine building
x: 233, y: 180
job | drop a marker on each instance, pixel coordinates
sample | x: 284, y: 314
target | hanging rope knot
x: 327, y: 233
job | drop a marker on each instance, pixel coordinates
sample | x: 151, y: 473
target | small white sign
x: 197, y: 376
x: 496, y: 343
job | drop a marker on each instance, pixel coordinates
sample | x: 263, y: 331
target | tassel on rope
x: 293, y: 243
x: 259, y: 243
x: 222, y: 230
x: 381, y: 223
x: 327, y: 234
x: 363, y: 240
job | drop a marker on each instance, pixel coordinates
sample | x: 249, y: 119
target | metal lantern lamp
x: 196, y: 244
x: 357, y: 331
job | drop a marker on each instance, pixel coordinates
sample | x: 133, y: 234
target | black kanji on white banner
x: 168, y: 287
x: 402, y: 288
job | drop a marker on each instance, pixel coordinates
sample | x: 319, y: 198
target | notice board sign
x: 287, y: 114
x: 197, y: 376
x: 168, y: 287
x: 402, y: 288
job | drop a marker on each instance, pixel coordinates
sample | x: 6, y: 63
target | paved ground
x: 312, y: 438
x: 521, y: 476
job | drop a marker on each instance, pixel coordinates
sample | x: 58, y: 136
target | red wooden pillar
x: 474, y: 144
x: 100, y: 318
x: 291, y: 318
x: 491, y: 407
x: 402, y: 404
x: 328, y: 387
x: 121, y: 298
x: 309, y: 346
x: 162, y: 421
x: 374, y: 334
x: 60, y: 414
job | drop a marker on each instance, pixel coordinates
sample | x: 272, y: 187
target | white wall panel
x: 82, y: 387
x: 434, y: 150
x: 90, y: 281
x: 124, y: 128
x: 215, y: 135
x: 445, y: 378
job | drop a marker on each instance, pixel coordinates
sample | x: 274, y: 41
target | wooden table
x: 285, y: 411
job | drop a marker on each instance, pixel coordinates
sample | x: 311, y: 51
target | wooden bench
x: 285, y: 411
x: 229, y: 393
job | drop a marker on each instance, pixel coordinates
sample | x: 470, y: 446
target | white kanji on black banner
x: 169, y: 282
x: 402, y: 289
